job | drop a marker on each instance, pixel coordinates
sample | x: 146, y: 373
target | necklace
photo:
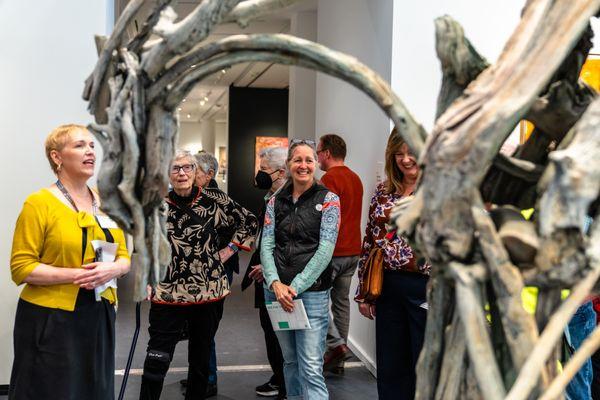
x: 65, y: 193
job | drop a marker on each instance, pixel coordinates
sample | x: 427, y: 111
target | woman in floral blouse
x: 402, y: 307
x: 195, y: 284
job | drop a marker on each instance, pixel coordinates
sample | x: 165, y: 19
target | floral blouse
x: 196, y: 273
x: 398, y: 255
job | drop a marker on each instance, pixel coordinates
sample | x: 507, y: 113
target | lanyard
x: 107, y: 234
x: 65, y: 193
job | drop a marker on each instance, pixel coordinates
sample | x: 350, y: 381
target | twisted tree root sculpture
x: 480, y: 342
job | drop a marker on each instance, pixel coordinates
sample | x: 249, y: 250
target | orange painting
x: 263, y: 142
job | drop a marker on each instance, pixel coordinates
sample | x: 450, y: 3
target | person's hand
x: 257, y: 273
x: 285, y: 295
x: 367, y: 310
x: 225, y: 254
x: 97, y: 274
x: 149, y: 292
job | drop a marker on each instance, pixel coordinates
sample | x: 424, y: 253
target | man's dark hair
x: 335, y: 144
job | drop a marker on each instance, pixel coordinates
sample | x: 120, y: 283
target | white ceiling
x: 209, y: 99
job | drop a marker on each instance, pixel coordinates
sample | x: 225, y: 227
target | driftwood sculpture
x: 480, y: 342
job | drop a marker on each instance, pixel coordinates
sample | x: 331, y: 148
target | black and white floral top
x: 196, y: 273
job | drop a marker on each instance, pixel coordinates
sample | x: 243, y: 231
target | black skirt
x: 66, y: 355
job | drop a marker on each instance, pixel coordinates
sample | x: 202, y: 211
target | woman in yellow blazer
x: 64, y: 326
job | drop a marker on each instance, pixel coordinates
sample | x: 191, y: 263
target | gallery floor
x: 240, y: 353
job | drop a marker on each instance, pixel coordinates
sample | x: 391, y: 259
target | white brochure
x: 288, y: 321
x: 105, y: 252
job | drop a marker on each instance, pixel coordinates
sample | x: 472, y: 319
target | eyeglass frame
x: 308, y: 142
x: 175, y: 169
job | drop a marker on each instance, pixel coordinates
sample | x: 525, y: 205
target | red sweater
x: 347, y: 185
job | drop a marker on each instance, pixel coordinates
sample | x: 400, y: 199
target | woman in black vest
x: 300, y: 230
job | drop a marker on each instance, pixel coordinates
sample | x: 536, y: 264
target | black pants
x: 67, y: 355
x: 400, y: 331
x: 273, y: 350
x: 166, y: 325
x: 596, y: 380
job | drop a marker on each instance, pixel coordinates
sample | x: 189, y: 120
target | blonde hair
x: 57, y: 140
x: 393, y: 183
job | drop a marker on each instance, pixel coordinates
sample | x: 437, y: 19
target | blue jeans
x: 580, y: 326
x: 303, y: 350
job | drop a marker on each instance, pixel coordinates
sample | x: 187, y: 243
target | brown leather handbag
x: 373, y: 276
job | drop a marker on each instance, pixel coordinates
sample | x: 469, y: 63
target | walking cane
x: 138, y: 311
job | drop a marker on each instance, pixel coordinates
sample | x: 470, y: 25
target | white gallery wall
x: 363, y: 29
x: 47, y: 53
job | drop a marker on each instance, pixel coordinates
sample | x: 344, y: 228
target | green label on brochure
x: 283, y: 325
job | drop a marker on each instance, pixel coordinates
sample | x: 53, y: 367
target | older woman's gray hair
x: 182, y: 153
x: 207, y: 162
x: 275, y: 157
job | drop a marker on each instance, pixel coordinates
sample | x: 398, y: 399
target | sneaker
x: 267, y: 390
x: 336, y: 355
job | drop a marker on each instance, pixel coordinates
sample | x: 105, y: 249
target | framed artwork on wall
x: 263, y: 142
x: 222, y: 157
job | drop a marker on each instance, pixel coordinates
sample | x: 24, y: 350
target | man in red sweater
x: 341, y: 180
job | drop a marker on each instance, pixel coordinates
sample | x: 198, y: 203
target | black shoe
x: 211, y: 390
x: 337, y: 370
x: 267, y: 390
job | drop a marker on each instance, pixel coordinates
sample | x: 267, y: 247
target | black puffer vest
x: 297, y: 233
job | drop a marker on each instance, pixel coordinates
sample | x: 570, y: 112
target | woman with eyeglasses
x: 64, y: 335
x: 300, y: 230
x: 195, y: 283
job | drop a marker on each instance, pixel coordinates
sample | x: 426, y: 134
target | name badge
x: 106, y: 222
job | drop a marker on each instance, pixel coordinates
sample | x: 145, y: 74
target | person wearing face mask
x: 64, y: 334
x: 270, y: 177
x: 299, y: 235
x: 195, y: 284
x: 401, y: 308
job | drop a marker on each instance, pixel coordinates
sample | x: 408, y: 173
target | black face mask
x: 263, y: 180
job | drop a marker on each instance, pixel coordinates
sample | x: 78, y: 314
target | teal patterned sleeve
x: 330, y: 224
x: 267, y: 245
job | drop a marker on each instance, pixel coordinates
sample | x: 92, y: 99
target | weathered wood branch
x: 289, y: 50
x: 135, y: 46
x: 481, y: 352
x: 485, y: 115
x: 519, y: 327
x: 461, y: 63
x: 581, y: 356
x: 540, y: 353
x: 95, y: 82
x: 178, y: 38
x: 440, y: 298
x: 249, y: 10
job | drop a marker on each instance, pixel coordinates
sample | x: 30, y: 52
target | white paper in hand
x: 285, y: 321
x: 105, y: 252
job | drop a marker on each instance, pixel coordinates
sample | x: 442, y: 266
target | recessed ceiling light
x: 205, y: 98
x: 183, y: 101
x: 179, y: 109
x: 202, y: 102
x: 223, y: 71
x: 193, y: 66
x: 189, y: 116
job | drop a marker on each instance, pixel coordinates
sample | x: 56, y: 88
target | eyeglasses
x: 309, y: 142
x: 187, y: 168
